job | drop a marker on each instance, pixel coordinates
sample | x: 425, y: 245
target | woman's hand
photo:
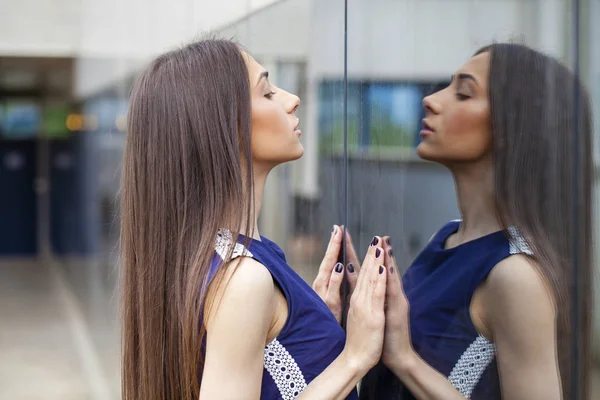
x: 397, y: 352
x: 328, y: 282
x: 366, y: 317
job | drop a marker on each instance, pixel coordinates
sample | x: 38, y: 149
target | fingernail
x: 333, y: 231
x: 351, y: 268
x: 381, y: 269
x: 390, y: 252
x: 389, y: 241
x: 374, y: 241
x: 391, y: 270
x: 377, y: 253
x: 339, y: 267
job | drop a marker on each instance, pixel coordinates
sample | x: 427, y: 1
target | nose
x: 293, y: 103
x: 431, y: 104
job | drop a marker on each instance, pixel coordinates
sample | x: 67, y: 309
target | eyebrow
x: 264, y: 74
x: 463, y: 76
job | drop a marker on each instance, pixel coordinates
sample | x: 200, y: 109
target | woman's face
x: 275, y: 133
x: 457, y: 127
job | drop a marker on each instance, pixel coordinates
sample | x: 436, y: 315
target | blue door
x: 18, y: 212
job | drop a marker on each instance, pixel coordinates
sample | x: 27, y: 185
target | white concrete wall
x: 119, y: 36
x: 39, y: 27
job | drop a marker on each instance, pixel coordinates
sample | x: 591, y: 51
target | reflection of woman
x: 210, y: 308
x: 489, y: 295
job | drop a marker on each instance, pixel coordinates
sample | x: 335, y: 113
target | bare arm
x: 521, y: 312
x: 239, y: 327
x: 521, y: 316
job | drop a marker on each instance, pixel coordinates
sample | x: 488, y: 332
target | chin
x: 425, y: 153
x: 293, y: 155
x: 300, y: 152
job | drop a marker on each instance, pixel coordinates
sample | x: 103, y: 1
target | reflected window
x: 380, y: 114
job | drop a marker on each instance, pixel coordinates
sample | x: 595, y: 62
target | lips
x: 427, y: 127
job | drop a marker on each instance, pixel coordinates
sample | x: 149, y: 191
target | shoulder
x: 518, y: 276
x: 246, y: 285
x: 518, y: 294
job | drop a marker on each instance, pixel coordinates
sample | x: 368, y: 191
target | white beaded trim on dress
x: 284, y: 370
x: 223, y: 243
x: 468, y: 370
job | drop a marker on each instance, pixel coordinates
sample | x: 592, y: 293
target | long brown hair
x: 542, y: 127
x: 186, y: 173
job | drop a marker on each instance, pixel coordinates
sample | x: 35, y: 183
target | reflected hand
x: 397, y: 347
x: 328, y: 282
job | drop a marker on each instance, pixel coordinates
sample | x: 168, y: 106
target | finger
x: 394, y: 290
x: 390, y: 260
x: 363, y: 276
x: 352, y: 273
x: 379, y: 292
x: 352, y: 256
x: 330, y: 258
x: 371, y: 270
x: 376, y: 268
x: 335, y: 282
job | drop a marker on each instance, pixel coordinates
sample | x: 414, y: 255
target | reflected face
x: 275, y: 133
x: 457, y: 127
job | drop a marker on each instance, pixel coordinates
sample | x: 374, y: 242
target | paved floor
x: 58, y: 331
x: 48, y: 347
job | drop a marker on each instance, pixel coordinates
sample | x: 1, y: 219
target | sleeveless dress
x: 439, y: 286
x: 311, y: 338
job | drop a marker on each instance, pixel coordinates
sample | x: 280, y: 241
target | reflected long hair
x: 187, y: 172
x: 542, y: 135
x: 542, y: 127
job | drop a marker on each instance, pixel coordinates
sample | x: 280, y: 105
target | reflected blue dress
x: 439, y: 286
x: 311, y: 337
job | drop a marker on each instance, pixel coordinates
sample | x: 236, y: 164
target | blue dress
x: 439, y: 286
x: 311, y: 337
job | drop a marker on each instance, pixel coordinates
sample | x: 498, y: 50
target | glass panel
x: 402, y: 51
x: 590, y: 33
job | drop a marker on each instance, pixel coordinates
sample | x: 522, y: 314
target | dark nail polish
x: 388, y: 241
x: 391, y: 270
x: 377, y: 253
x: 351, y: 268
x: 339, y: 267
x: 390, y: 252
x: 381, y: 269
x: 374, y: 241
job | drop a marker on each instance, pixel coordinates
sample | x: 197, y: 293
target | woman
x: 490, y: 295
x: 210, y: 307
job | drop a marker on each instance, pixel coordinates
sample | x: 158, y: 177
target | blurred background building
x: 66, y: 69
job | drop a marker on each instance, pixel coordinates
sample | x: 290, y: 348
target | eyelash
x: 269, y: 95
x: 462, y: 97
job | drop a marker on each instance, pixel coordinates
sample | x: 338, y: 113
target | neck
x: 475, y: 191
x: 260, y: 178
